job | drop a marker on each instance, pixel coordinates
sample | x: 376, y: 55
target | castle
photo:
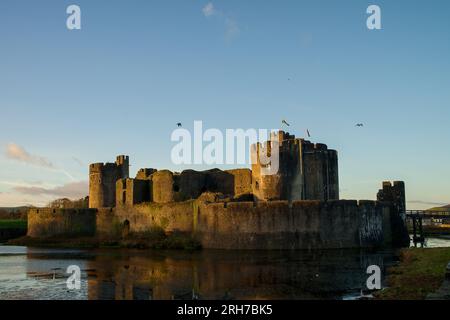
x: 306, y: 171
x: 297, y: 207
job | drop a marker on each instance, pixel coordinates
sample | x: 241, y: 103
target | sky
x: 121, y: 83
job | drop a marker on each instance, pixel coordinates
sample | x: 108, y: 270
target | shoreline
x: 163, y: 242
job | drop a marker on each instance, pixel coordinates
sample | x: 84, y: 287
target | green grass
x: 421, y: 271
x: 13, y: 224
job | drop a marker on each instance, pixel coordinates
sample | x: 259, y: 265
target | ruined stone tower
x: 306, y: 171
x: 394, y: 193
x: 102, y: 181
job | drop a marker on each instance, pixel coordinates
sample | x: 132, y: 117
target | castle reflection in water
x: 230, y: 275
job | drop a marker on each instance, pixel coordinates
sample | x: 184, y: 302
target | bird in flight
x: 284, y: 122
x: 359, y: 125
x: 179, y: 124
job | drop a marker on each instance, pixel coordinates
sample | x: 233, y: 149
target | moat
x: 37, y: 273
x: 31, y: 273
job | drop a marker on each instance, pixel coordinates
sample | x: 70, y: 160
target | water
x: 34, y: 273
x: 437, y: 242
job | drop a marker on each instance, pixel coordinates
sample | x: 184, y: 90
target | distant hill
x: 14, y: 209
x: 447, y: 207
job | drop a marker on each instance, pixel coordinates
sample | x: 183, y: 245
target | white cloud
x: 22, y: 183
x: 72, y: 190
x: 208, y: 10
x: 231, y: 25
x: 16, y: 152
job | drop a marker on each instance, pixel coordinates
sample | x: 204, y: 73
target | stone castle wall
x: 303, y: 225
x: 48, y: 222
x: 259, y: 225
x: 233, y: 225
x: 147, y: 217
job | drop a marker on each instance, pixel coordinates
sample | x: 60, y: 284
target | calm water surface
x: 35, y: 273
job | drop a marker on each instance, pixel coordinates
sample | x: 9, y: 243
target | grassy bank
x: 420, y: 272
x: 13, y: 224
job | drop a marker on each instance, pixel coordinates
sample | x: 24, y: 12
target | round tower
x: 265, y: 186
x: 95, y: 185
x: 102, y: 181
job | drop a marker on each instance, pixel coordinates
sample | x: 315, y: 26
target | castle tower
x: 306, y: 171
x: 321, y: 177
x: 394, y: 193
x: 102, y: 181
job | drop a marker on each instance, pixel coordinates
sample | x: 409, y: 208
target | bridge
x: 417, y: 217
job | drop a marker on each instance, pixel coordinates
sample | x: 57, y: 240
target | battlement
x: 122, y: 159
x: 96, y: 166
x: 288, y: 143
x: 100, y: 167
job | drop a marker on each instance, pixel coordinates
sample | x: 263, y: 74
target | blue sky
x: 136, y: 68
